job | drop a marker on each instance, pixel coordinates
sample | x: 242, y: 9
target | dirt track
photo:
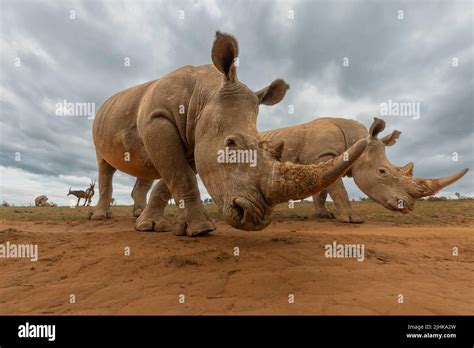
x: 86, y: 258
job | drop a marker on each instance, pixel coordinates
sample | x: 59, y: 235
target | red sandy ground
x: 86, y: 258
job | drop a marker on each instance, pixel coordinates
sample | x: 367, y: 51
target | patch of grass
x: 182, y: 261
x: 9, y: 230
x: 79, y: 213
x: 441, y: 213
x: 286, y: 240
x: 453, y: 212
x: 222, y: 256
x: 44, y: 213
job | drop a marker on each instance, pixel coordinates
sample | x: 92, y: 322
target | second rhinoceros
x: 393, y: 187
x: 41, y: 201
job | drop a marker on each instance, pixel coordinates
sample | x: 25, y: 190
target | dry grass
x: 439, y: 213
x: 182, y: 261
x: 222, y: 256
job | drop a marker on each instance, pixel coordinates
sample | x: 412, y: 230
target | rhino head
x: 242, y: 172
x: 394, y: 187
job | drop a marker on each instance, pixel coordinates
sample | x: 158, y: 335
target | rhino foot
x: 194, y: 229
x: 100, y: 215
x: 137, y: 212
x: 157, y: 224
x: 325, y: 214
x: 349, y: 218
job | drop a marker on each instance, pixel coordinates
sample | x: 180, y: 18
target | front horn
x: 420, y: 187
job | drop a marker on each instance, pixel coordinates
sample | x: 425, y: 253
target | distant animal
x: 90, y: 192
x: 198, y: 119
x: 86, y: 194
x: 40, y: 201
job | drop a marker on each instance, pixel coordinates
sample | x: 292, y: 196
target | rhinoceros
x: 180, y: 124
x: 40, y: 201
x: 393, y: 187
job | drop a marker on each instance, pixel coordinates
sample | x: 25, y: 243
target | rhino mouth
x: 247, y: 215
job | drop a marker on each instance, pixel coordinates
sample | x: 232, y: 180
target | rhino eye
x: 230, y: 141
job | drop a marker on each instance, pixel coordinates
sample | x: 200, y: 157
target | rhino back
x: 118, y: 121
x: 353, y: 130
x: 115, y: 128
x: 308, y: 142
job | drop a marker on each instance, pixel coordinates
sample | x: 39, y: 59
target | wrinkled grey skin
x: 40, y: 201
x: 173, y: 127
x: 393, y: 187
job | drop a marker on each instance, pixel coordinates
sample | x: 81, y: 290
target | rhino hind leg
x: 139, y: 193
x: 106, y: 173
x: 344, y: 211
x: 152, y: 218
x: 169, y: 159
x: 319, y: 202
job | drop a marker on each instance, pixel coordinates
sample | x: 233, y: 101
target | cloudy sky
x: 341, y: 58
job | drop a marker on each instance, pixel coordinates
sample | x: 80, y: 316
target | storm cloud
x: 341, y: 58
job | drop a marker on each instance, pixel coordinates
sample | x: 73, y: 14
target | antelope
x: 90, y: 192
x: 86, y: 195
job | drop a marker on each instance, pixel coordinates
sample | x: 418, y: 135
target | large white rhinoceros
x: 182, y: 123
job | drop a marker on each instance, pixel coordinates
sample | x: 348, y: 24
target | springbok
x: 86, y: 195
x: 90, y: 192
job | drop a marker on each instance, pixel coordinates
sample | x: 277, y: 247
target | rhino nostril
x: 240, y: 211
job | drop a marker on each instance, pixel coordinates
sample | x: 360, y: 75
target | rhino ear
x: 274, y: 93
x: 391, y: 139
x: 274, y: 147
x: 377, y: 126
x: 224, y: 51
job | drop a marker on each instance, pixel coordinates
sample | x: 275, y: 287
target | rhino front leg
x: 163, y: 142
x: 319, y: 202
x: 106, y: 173
x: 139, y: 193
x: 152, y: 218
x: 344, y: 212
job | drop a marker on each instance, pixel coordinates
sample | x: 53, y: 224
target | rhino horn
x: 419, y: 187
x: 292, y: 181
x: 407, y: 169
